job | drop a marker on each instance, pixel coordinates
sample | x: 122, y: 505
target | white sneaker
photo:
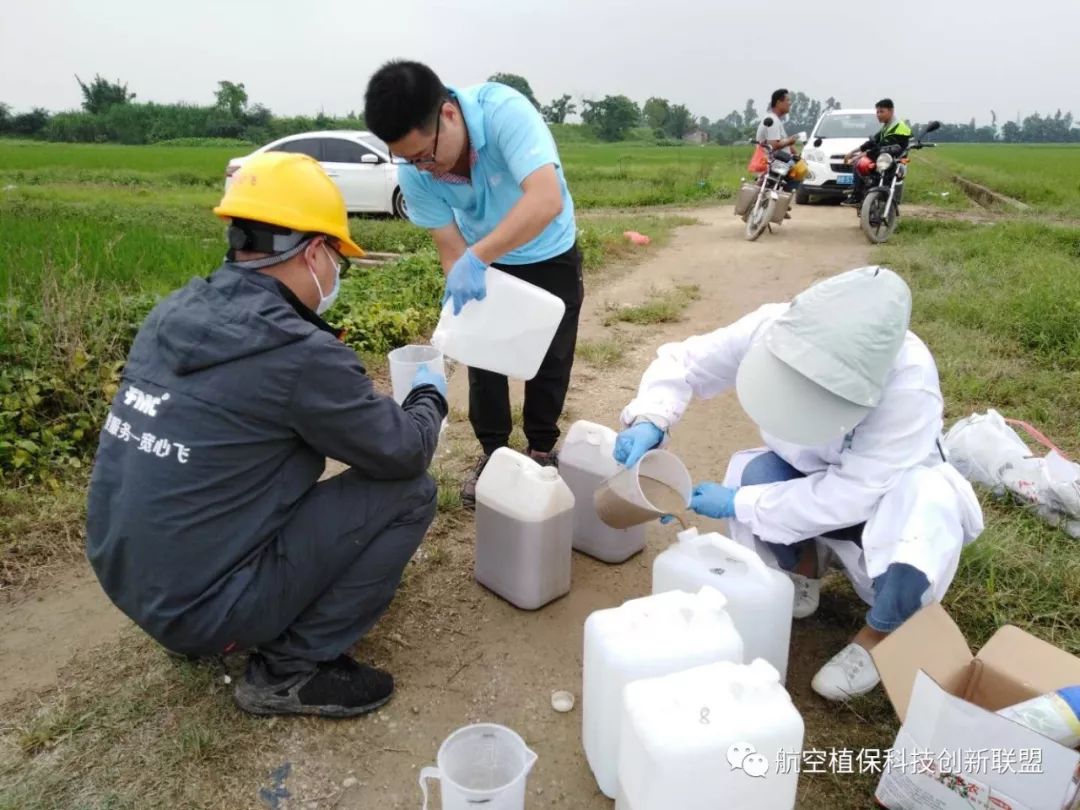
x: 849, y: 673
x: 807, y: 595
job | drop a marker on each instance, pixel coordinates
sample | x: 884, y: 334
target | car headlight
x: 884, y: 161
x: 815, y: 155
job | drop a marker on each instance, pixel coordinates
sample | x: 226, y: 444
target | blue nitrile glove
x: 425, y: 376
x: 713, y: 500
x: 636, y: 441
x: 465, y: 281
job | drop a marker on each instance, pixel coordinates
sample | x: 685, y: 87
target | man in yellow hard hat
x: 207, y: 523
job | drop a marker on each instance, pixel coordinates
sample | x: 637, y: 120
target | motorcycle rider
x: 894, y: 134
x: 775, y: 135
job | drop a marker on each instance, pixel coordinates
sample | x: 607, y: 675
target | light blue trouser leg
x: 769, y: 468
x: 898, y: 595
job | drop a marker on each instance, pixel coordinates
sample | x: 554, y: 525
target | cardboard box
x: 946, y: 699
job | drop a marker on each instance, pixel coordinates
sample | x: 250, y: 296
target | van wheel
x: 397, y: 202
x: 802, y: 197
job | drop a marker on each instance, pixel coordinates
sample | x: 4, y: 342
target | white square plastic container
x: 647, y: 637
x: 712, y: 736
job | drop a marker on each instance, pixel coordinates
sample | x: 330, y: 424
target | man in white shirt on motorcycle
x: 771, y: 131
x: 850, y: 409
x: 774, y: 133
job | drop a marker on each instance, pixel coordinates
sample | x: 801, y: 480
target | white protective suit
x: 888, y: 472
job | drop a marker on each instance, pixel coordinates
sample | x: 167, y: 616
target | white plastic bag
x: 987, y: 451
x: 981, y: 445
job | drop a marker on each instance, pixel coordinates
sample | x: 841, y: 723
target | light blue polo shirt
x: 511, y: 141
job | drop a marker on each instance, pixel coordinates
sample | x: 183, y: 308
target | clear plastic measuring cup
x: 406, y: 361
x: 620, y: 501
x: 483, y: 764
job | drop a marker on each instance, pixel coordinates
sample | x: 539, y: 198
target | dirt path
x: 459, y: 653
x: 42, y: 630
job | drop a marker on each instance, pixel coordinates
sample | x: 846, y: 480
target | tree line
x: 612, y: 117
x: 110, y: 113
x: 1035, y: 128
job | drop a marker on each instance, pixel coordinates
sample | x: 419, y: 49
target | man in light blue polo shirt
x: 481, y: 171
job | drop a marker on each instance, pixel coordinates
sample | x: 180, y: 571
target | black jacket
x: 232, y: 397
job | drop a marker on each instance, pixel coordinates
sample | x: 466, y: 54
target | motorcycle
x: 879, y: 211
x: 764, y: 203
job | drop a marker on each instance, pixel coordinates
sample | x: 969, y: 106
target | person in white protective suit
x: 850, y: 409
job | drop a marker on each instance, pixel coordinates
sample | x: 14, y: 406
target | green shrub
x: 240, y: 144
x: 60, y: 360
x: 573, y: 133
x: 384, y: 235
x: 381, y: 308
x: 60, y: 365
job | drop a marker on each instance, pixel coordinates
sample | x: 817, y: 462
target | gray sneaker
x: 468, y: 489
x: 339, y: 688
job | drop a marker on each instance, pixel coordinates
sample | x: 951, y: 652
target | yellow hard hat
x: 799, y: 170
x: 290, y: 191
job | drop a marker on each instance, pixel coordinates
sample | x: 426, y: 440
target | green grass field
x: 1000, y: 308
x: 93, y: 235
x: 21, y: 158
x: 1045, y: 176
x: 625, y: 175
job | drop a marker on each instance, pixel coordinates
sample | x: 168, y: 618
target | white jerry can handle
x: 426, y: 773
x: 733, y: 549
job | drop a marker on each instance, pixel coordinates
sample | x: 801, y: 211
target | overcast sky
x: 948, y: 59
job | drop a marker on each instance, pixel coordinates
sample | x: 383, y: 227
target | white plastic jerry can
x: 524, y: 530
x: 509, y: 332
x: 759, y: 598
x: 585, y: 462
x: 654, y: 635
x: 720, y: 735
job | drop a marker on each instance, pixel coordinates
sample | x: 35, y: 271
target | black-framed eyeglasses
x: 429, y: 159
x: 339, y: 258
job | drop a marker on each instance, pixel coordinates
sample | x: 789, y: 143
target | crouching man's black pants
x: 330, y: 573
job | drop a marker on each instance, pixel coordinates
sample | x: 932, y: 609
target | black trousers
x: 545, y: 394
x: 858, y: 190
x: 328, y: 576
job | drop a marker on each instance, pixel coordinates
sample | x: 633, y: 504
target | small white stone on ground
x: 562, y: 701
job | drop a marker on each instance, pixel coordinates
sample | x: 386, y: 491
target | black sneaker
x: 468, y: 489
x: 339, y: 688
x: 851, y: 201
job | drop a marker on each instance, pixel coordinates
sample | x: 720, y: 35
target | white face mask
x: 326, y: 301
